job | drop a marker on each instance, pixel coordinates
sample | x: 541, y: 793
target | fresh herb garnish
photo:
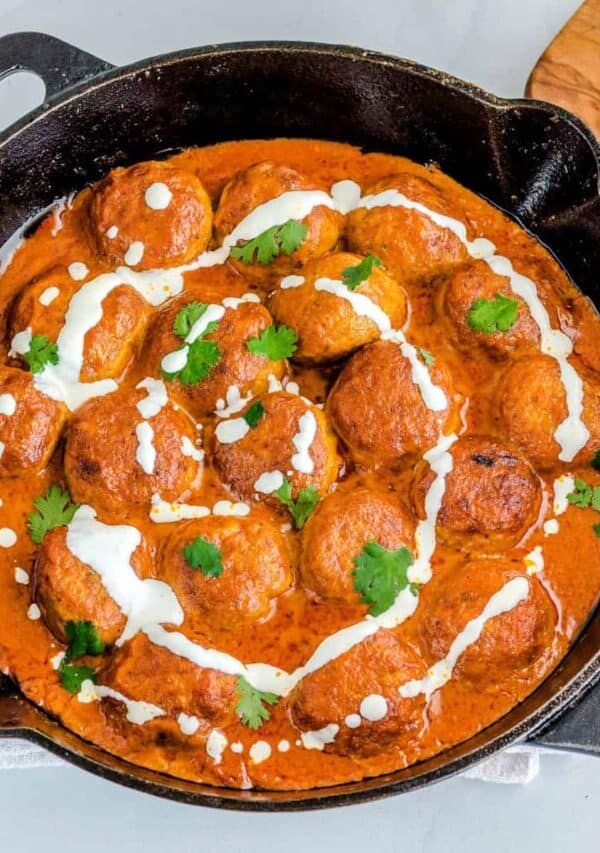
x: 72, y: 677
x: 280, y: 239
x: 250, y: 707
x: 379, y: 575
x: 83, y: 639
x: 203, y: 555
x: 201, y: 355
x: 353, y: 276
x: 273, y: 343
x: 595, y: 463
x: 189, y: 315
x: 585, y: 496
x: 596, y: 529
x: 300, y: 509
x: 254, y: 414
x: 54, y: 509
x: 427, y: 357
x: 40, y: 353
x: 493, y: 315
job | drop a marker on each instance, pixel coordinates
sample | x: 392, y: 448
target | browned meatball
x: 108, y: 346
x: 508, y: 643
x: 105, y: 463
x: 378, y: 410
x: 531, y: 404
x: 150, y: 673
x: 270, y: 447
x: 337, y: 531
x: 377, y: 666
x: 251, y: 567
x: 328, y: 326
x: 157, y: 209
x: 408, y: 242
x: 30, y: 424
x: 236, y: 368
x: 261, y: 183
x: 492, y: 496
x: 68, y: 590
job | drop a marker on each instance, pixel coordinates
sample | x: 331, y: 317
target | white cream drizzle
x: 8, y: 537
x: 156, y: 398
x: 320, y: 737
x: 188, y: 448
x: 33, y: 612
x: 145, y: 453
x: 534, y: 561
x: 77, y: 270
x: 216, y: 745
x: 291, y: 281
x: 134, y: 254
x: 302, y: 440
x: 158, y: 196
x: 353, y: 721
x: 177, y: 359
x: 112, y: 232
x: 188, y: 724
x: 232, y: 430
x: 259, y: 751
x: 165, y: 512
x: 562, y: 487
x: 21, y: 576
x: 234, y: 302
x: 233, y: 403
x: 373, y: 707
x: 269, y: 482
x: 8, y: 405
x: 137, y: 712
x: 551, y: 527
x: 237, y: 509
x: 48, y: 295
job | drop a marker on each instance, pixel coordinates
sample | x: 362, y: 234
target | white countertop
x: 493, y: 43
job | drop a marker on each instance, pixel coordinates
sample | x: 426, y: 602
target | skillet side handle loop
x: 576, y: 730
x: 10, y: 717
x: 59, y: 64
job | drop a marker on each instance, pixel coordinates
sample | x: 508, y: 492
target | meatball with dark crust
x: 66, y: 589
x: 147, y: 672
x: 329, y: 326
x: 379, y: 411
x: 254, y: 567
x: 508, y: 643
x: 531, y: 404
x: 261, y: 183
x: 270, y: 447
x: 108, y: 346
x: 408, y: 242
x: 164, y: 209
x: 337, y: 532
x: 102, y: 449
x: 237, y: 366
x: 30, y: 424
x: 377, y: 665
x: 492, y: 496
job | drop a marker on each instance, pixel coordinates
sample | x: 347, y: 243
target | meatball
x: 108, y: 346
x: 114, y: 463
x: 492, y: 496
x: 375, y: 667
x: 379, y: 411
x: 408, y: 242
x: 261, y: 183
x: 68, y: 590
x: 30, y: 424
x: 330, y: 326
x: 508, y: 642
x: 292, y: 439
x: 147, y: 672
x: 337, y: 532
x: 237, y: 368
x: 466, y: 284
x: 531, y: 404
x: 253, y: 567
x: 150, y: 215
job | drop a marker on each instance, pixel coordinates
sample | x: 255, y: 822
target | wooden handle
x: 568, y: 72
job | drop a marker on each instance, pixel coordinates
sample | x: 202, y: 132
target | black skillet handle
x: 59, y: 64
x: 577, y: 729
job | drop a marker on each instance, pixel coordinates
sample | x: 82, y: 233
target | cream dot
x: 49, y: 295
x: 158, y: 196
x: 283, y: 746
x: 134, y: 253
x: 373, y: 707
x: 33, y: 612
x: 8, y: 537
x: 112, y: 232
x: 237, y: 747
x: 21, y: 576
x: 260, y: 751
x: 78, y: 270
x: 353, y: 721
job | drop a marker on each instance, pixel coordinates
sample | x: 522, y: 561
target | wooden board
x: 568, y: 72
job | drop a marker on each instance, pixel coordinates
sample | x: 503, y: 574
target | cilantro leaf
x: 301, y: 509
x: 83, y: 639
x: 427, y: 357
x: 72, y: 677
x: 40, y: 353
x: 380, y: 575
x: 493, y: 315
x: 201, y: 358
x: 189, y: 315
x: 353, y: 276
x: 203, y: 555
x: 271, y: 243
x: 585, y: 496
x: 273, y: 343
x: 254, y: 414
x: 250, y: 707
x: 595, y: 463
x: 596, y: 529
x: 54, y: 509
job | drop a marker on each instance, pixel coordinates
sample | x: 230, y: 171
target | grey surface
x: 494, y: 43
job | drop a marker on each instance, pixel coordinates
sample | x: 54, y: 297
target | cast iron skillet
x: 536, y: 161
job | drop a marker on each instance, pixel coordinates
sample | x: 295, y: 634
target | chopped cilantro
x: 380, y: 575
x: 203, y: 555
x: 273, y: 343
x: 493, y: 315
x: 585, y: 496
x: 250, y: 707
x: 271, y: 243
x: 201, y: 358
x: 427, y: 357
x: 72, y: 677
x: 189, y: 315
x: 54, y: 509
x: 40, y: 353
x: 254, y: 414
x: 596, y: 529
x: 353, y: 276
x: 301, y: 509
x: 83, y: 639
x: 595, y: 463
